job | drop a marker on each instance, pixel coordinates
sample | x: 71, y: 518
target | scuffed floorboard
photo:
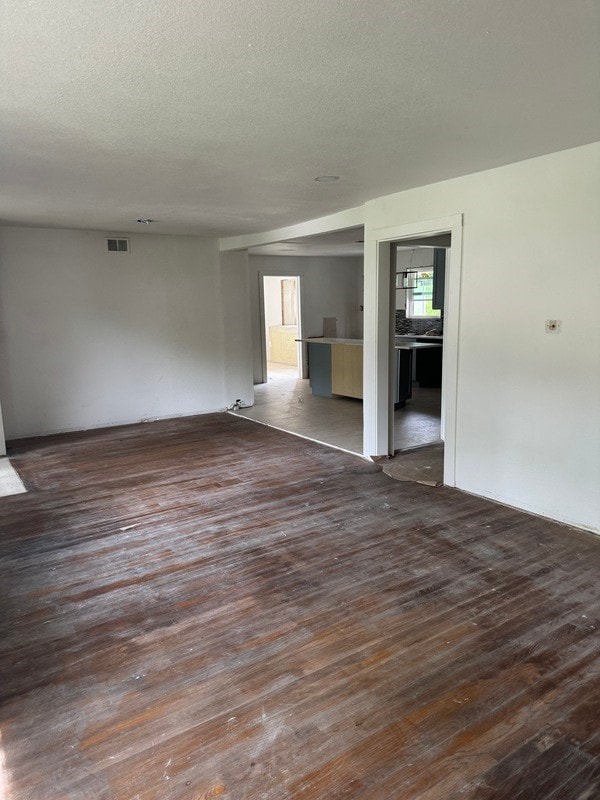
x: 207, y: 608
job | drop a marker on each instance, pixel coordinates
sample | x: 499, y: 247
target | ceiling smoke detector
x: 143, y: 221
x: 327, y: 178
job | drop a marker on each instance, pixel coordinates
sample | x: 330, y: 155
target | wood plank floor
x: 208, y: 608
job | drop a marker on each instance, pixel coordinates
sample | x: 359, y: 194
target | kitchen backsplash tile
x: 417, y: 326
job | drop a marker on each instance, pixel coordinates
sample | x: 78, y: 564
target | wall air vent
x: 118, y: 245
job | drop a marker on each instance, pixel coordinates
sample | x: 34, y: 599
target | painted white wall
x: 235, y: 298
x: 528, y: 403
x: 330, y: 287
x: 2, y: 436
x: 91, y: 338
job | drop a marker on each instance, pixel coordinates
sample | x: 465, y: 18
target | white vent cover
x: 118, y: 245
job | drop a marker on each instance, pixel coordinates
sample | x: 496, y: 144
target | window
x: 289, y: 303
x: 420, y: 299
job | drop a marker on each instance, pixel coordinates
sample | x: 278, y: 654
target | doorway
x: 281, y: 325
x: 329, y: 288
x: 417, y: 336
x: 417, y: 331
x: 379, y: 336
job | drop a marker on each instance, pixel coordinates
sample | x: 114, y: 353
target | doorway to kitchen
x: 314, y: 399
x: 417, y: 333
x: 417, y: 322
x: 380, y: 333
x: 281, y: 326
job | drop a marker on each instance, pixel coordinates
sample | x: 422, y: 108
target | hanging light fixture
x: 409, y: 278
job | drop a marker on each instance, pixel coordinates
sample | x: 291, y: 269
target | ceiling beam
x: 349, y: 218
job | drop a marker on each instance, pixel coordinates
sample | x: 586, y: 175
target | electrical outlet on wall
x: 553, y: 325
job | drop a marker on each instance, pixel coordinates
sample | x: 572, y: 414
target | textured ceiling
x: 214, y: 117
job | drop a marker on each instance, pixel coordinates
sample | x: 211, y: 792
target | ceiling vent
x: 118, y: 245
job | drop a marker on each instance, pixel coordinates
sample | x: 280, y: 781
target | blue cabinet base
x: 319, y: 366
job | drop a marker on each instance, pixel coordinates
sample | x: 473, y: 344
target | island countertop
x: 435, y: 337
x: 359, y: 343
x: 325, y: 340
x: 417, y: 345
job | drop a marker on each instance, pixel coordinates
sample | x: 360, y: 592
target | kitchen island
x: 336, y: 367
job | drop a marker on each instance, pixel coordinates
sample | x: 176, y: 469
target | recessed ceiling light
x: 143, y: 221
x: 327, y: 178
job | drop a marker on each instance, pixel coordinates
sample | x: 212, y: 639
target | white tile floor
x: 286, y: 402
x: 278, y: 371
x: 10, y: 483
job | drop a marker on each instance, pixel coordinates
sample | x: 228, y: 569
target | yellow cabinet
x: 347, y: 370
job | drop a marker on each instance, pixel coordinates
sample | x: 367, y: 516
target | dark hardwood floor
x: 208, y: 608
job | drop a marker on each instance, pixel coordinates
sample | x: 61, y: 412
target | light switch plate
x: 553, y: 325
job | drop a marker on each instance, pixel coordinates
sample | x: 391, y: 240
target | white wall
x: 90, y: 338
x: 2, y: 436
x: 329, y: 287
x: 528, y: 404
x: 235, y: 291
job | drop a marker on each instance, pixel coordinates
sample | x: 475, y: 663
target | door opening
x: 282, y: 326
x: 417, y: 305
x: 315, y: 297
